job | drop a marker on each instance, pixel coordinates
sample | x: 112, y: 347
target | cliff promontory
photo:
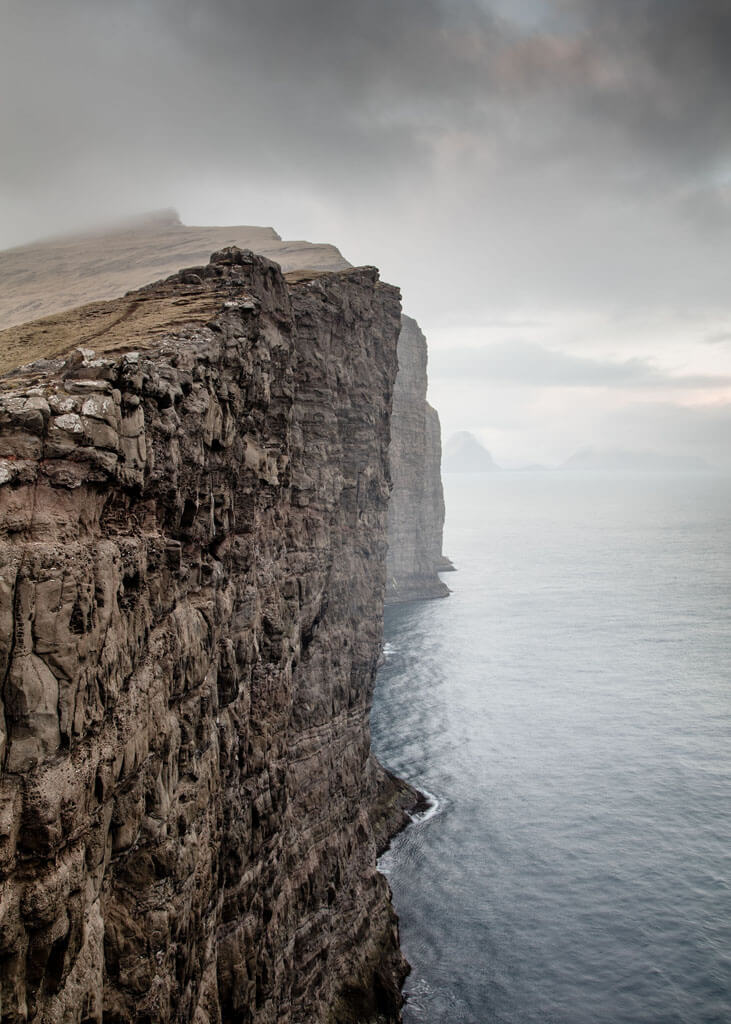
x: 193, y: 515
x: 48, y: 277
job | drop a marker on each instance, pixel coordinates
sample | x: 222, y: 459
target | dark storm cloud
x: 527, y: 364
x: 255, y: 82
x: 653, y: 72
x: 662, y: 73
x: 574, y: 154
x: 356, y: 85
x: 501, y: 160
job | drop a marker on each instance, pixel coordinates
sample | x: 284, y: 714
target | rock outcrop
x: 416, y: 512
x: 192, y: 553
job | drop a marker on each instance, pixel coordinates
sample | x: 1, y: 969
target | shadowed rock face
x: 192, y: 552
x: 416, y: 512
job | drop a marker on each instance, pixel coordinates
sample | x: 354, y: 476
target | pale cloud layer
x: 526, y: 363
x: 525, y: 161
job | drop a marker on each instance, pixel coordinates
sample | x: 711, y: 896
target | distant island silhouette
x: 463, y: 453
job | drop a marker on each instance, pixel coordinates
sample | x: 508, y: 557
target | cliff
x: 42, y: 279
x: 192, y: 547
x: 416, y: 512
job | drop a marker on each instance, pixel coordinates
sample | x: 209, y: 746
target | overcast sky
x: 548, y: 182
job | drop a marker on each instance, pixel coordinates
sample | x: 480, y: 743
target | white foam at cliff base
x: 421, y: 817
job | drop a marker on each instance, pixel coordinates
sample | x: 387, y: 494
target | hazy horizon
x: 548, y: 182
x: 616, y: 459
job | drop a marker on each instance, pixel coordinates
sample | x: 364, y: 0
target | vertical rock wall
x: 416, y: 512
x: 192, y: 548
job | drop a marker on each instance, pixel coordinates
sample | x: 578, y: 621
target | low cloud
x: 718, y: 338
x: 527, y: 364
x: 676, y: 429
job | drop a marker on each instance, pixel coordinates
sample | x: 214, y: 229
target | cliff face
x: 416, y: 512
x: 192, y: 543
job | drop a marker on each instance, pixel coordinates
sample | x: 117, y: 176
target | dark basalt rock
x: 192, y: 571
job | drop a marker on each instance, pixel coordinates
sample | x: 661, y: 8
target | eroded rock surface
x: 192, y: 551
x: 416, y: 512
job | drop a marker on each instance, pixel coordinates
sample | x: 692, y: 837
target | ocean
x: 568, y: 707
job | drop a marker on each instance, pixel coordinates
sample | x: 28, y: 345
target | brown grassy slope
x: 49, y: 277
x: 120, y: 325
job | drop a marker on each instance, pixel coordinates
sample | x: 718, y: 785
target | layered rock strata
x: 416, y: 512
x: 192, y: 551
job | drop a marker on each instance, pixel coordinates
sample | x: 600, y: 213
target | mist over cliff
x: 571, y: 157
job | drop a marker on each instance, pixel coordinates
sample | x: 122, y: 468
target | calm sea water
x: 569, y: 707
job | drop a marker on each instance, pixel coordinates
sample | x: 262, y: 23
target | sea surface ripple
x: 568, y: 705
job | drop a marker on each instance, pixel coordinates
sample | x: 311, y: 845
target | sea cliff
x: 193, y: 534
x: 416, y: 512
